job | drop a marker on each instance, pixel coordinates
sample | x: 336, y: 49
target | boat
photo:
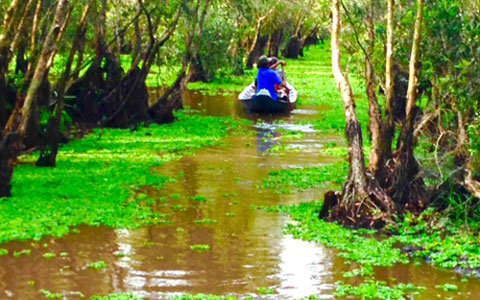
x: 263, y: 103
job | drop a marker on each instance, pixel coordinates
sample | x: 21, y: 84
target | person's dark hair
x: 273, y: 60
x: 263, y: 62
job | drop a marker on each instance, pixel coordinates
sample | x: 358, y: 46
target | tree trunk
x: 20, y: 62
x: 375, y: 120
x: 137, y: 56
x: 22, y: 28
x: 259, y: 44
x: 13, y: 16
x: 389, y: 128
x: 363, y: 203
x: 48, y: 155
x: 12, y: 141
x: 357, y: 181
x: 276, y: 39
x: 33, y: 38
x: 101, y: 47
x: 409, y: 187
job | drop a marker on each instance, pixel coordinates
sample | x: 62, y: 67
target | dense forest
x: 82, y: 127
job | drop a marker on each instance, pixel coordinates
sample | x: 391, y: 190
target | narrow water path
x: 216, y: 187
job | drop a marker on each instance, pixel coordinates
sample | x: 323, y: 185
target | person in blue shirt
x: 267, y: 79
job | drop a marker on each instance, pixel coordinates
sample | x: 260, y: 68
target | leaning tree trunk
x: 21, y: 29
x: 408, y: 186
x: 12, y: 141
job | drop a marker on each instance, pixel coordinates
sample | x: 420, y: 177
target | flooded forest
x: 239, y: 149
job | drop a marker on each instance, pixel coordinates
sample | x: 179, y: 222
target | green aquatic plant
x: 202, y: 297
x: 178, y: 207
x: 199, y: 198
x: 445, y: 244
x: 49, y: 255
x: 25, y: 252
x: 50, y: 295
x: 118, y: 297
x: 371, y: 289
x: 3, y: 252
x: 365, y: 271
x: 175, y: 196
x: 284, y: 181
x: 200, y: 248
x: 447, y: 287
x: 265, y: 291
x: 99, y: 265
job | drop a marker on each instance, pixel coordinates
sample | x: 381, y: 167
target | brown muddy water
x: 248, y: 249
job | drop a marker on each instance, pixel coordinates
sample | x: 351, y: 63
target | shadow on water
x: 247, y: 247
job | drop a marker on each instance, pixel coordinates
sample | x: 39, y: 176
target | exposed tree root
x: 373, y: 211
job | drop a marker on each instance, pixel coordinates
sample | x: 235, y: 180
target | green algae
x: 95, y: 178
x: 3, y: 252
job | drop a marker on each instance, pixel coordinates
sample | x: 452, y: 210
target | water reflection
x: 267, y: 138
